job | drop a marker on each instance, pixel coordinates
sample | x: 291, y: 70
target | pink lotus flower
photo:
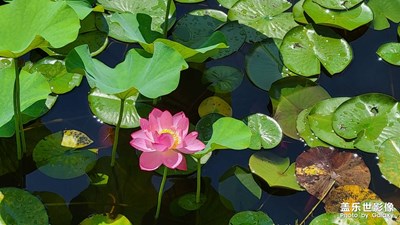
x: 164, y: 139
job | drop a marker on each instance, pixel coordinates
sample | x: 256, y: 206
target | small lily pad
x: 188, y: 201
x: 75, y: 139
x: 390, y: 52
x: 389, y: 158
x: 222, y: 79
x: 251, y: 217
x: 266, y: 132
x: 276, y: 171
x: 214, y: 104
x: 98, y: 219
x: 235, y: 36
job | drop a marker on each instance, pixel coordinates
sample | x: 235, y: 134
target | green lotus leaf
x: 251, y: 217
x: 222, y: 79
x: 61, y: 162
x: 139, y: 70
x: 106, y: 107
x: 338, y: 4
x: 239, y: 180
x: 268, y: 19
x: 204, y: 126
x: 129, y: 27
x: 264, y: 65
x: 228, y: 133
x: 20, y: 207
x: 81, y: 7
x: 305, y: 132
x: 235, y: 36
x: 98, y: 219
x: 189, y: 1
x: 320, y: 121
x: 154, y: 8
x: 390, y: 52
x: 298, y: 12
x: 33, y: 87
x: 276, y: 171
x: 384, y: 10
x: 291, y: 105
x: 55, y: 72
x: 304, y: 48
x: 389, y: 156
x: 252, y: 35
x: 227, y: 3
x: 347, y: 19
x: 266, y: 132
x: 35, y: 26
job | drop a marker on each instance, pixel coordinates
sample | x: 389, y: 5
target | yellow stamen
x: 174, y: 135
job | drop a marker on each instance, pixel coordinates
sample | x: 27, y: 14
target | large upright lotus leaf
x: 266, y: 132
x: 389, y: 158
x: 228, y: 133
x: 33, y: 88
x: 384, y: 10
x: 390, y: 52
x: 251, y: 217
x: 264, y: 64
x: 154, y: 8
x: 304, y: 48
x: 152, y: 76
x: 37, y: 24
x: 317, y: 168
x: 338, y: 4
x: 54, y: 71
x: 305, y: 132
x: 346, y: 19
x: 235, y: 36
x: 290, y: 106
x: 20, y: 207
x: 98, y: 219
x: 276, y: 171
x: 129, y: 27
x: 367, y: 111
x: 61, y: 162
x: 320, y: 120
x: 222, y: 79
x: 266, y: 17
x: 106, y: 108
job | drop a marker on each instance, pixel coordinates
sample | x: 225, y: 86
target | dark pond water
x: 135, y: 192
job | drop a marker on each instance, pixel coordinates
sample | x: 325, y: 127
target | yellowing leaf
x: 214, y: 104
x: 75, y: 139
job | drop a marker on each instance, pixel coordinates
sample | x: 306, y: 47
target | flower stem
x: 19, y: 131
x: 160, y: 192
x: 116, y: 135
x: 198, y: 188
x: 165, y: 30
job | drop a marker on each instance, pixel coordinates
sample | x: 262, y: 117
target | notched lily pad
x: 188, y: 201
x: 305, y: 132
x: 222, y: 79
x: 266, y: 132
x: 389, y: 158
x: 384, y: 11
x: 317, y: 168
x: 214, y: 104
x: 390, y: 52
x: 251, y: 217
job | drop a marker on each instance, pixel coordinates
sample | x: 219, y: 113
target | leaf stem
x: 165, y: 29
x: 19, y: 131
x: 198, y: 187
x: 116, y: 135
x: 160, y: 192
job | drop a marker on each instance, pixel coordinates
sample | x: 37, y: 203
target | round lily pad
x: 367, y: 111
x: 214, y: 104
x: 61, y: 162
x: 222, y: 79
x: 204, y: 126
x: 318, y: 167
x: 320, y: 121
x: 338, y: 4
x: 250, y: 217
x: 266, y: 132
x: 389, y: 158
x: 304, y: 48
x: 19, y: 207
x: 98, y: 219
x: 305, y: 132
x: 235, y: 37
x: 188, y: 201
x: 390, y: 52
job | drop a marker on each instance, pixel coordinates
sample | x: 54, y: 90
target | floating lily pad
x: 57, y: 208
x: 268, y: 19
x: 227, y: 3
x: 348, y: 19
x: 276, y: 171
x: 348, y: 194
x: 384, y: 11
x: 82, y: 7
x: 189, y: 1
x: 305, y: 132
x: 298, y: 12
x: 61, y: 162
x: 204, y: 126
x: 389, y: 158
x: 251, y: 217
x: 222, y: 79
x: 214, y: 104
x: 355, y: 218
x: 75, y: 139
x: 235, y: 36
x: 390, y: 52
x: 20, y: 207
x: 162, y: 70
x: 188, y: 201
x: 304, y: 48
x: 216, y: 14
x: 317, y: 168
x: 266, y: 132
x: 320, y: 121
x: 98, y: 219
x: 291, y: 105
x: 338, y: 4
x: 35, y: 26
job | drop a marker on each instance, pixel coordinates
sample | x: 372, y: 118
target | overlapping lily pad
x: 222, y: 79
x: 305, y: 48
x: 214, y: 104
x: 266, y: 132
x: 338, y: 4
x: 389, y: 158
x: 384, y: 11
x: 305, y: 132
x: 235, y: 36
x: 317, y: 168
